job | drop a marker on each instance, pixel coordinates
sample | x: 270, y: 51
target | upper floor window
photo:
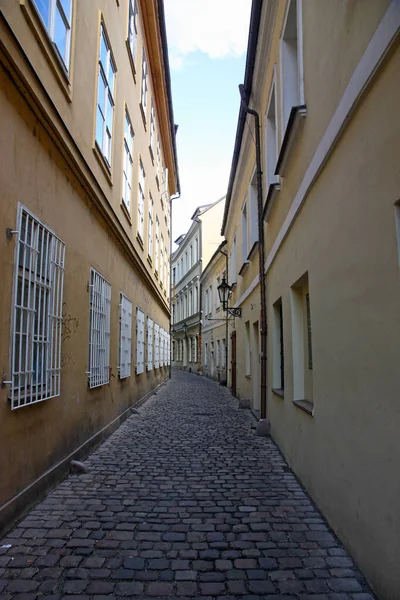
x: 245, y: 249
x: 271, y: 138
x: 56, y: 16
x: 141, y: 197
x: 253, y: 203
x: 105, y: 97
x: 150, y: 230
x: 144, y: 82
x: 127, y: 164
x: 132, y: 27
x: 292, y: 61
x: 152, y: 130
x: 99, y: 329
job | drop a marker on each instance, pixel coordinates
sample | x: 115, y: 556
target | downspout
x: 178, y: 195
x: 264, y: 425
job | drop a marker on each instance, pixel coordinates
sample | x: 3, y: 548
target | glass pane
x: 43, y: 7
x: 103, y: 50
x: 101, y: 92
x: 111, y: 77
x: 109, y: 117
x: 66, y: 5
x: 60, y: 35
x: 99, y: 127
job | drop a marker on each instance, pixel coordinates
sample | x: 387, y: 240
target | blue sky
x: 207, y: 63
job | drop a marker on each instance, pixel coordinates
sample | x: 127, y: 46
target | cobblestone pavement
x: 183, y: 500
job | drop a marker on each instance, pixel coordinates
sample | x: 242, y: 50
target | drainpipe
x: 263, y: 425
x: 170, y: 283
x: 227, y: 314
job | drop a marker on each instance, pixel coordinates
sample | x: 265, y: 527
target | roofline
x: 248, y: 84
x: 173, y: 127
x: 206, y: 207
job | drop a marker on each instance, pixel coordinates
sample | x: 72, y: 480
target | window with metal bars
x: 56, y: 16
x: 149, y: 344
x: 156, y: 346
x: 125, y: 336
x: 139, y: 341
x: 105, y: 97
x: 99, y: 331
x: 37, y: 312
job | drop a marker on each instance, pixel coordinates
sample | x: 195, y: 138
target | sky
x: 207, y: 42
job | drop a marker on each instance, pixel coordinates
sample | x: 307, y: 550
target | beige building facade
x: 195, y: 249
x: 88, y: 165
x: 324, y: 79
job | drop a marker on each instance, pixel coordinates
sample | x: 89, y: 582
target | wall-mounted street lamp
x: 185, y: 328
x: 224, y: 291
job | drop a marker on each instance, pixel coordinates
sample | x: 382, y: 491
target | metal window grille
x: 37, y: 313
x: 139, y: 341
x: 99, y: 332
x: 125, y: 336
x: 132, y: 27
x: 156, y: 346
x: 149, y: 344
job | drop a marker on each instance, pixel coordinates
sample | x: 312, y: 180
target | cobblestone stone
x: 183, y: 500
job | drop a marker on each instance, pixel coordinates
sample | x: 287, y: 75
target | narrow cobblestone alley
x: 182, y: 500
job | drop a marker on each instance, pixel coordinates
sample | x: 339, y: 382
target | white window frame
x: 132, y: 27
x: 99, y: 329
x: 150, y: 228
x: 149, y: 344
x: 57, y: 7
x: 106, y: 74
x: 245, y: 234
x: 156, y: 346
x: 253, y: 205
x: 141, y: 199
x: 37, y: 312
x: 157, y: 266
x: 139, y: 341
x: 152, y: 129
x: 271, y: 135
x: 144, y: 83
x: 125, y: 336
x: 127, y: 162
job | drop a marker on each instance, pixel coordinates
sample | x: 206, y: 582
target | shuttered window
x: 99, y: 331
x: 149, y: 344
x: 125, y: 336
x: 139, y: 341
x: 37, y: 310
x: 156, y: 346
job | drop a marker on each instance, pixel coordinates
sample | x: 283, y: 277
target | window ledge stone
x: 272, y: 197
x: 305, y: 405
x: 279, y: 392
x: 253, y: 250
x: 103, y: 163
x: 293, y: 130
x: 244, y: 267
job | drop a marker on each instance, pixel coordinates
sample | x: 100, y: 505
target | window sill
x: 143, y: 113
x: 158, y: 183
x: 151, y: 154
x: 126, y: 212
x: 305, y: 405
x: 244, y: 267
x: 103, y: 164
x: 279, y: 392
x: 248, y: 376
x: 139, y: 240
x: 253, y: 251
x: 51, y: 54
x: 293, y: 130
x: 131, y: 60
x: 149, y: 260
x: 272, y: 197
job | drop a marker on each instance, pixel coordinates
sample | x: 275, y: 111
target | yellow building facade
x: 324, y: 78
x: 89, y: 164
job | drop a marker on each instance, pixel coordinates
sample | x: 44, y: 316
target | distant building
x: 195, y: 249
x: 88, y: 165
x: 324, y: 79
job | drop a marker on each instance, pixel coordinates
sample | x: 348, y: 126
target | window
x: 156, y: 346
x: 37, y: 313
x: 253, y: 210
x: 190, y: 302
x: 173, y: 350
x: 158, y: 163
x: 218, y: 353
x: 150, y: 229
x: 56, y: 16
x: 196, y: 347
x: 139, y: 341
x: 278, y: 379
x: 149, y: 344
x: 125, y: 336
x: 247, y: 350
x: 271, y: 138
x: 165, y: 267
x: 232, y: 262
x: 152, y: 130
x: 245, y: 250
x: 206, y: 302
x: 196, y: 250
x: 127, y: 163
x: 223, y: 350
x: 157, y: 244
x: 105, y: 97
x: 291, y: 62
x: 191, y: 256
x: 205, y: 354
x: 162, y: 261
x: 141, y: 197
x: 144, y: 82
x: 132, y: 27
x: 302, y: 343
x: 99, y: 329
x: 164, y: 186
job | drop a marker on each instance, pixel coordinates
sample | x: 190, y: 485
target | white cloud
x: 219, y: 28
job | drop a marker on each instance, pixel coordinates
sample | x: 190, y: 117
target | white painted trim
x: 300, y: 63
x: 369, y: 63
